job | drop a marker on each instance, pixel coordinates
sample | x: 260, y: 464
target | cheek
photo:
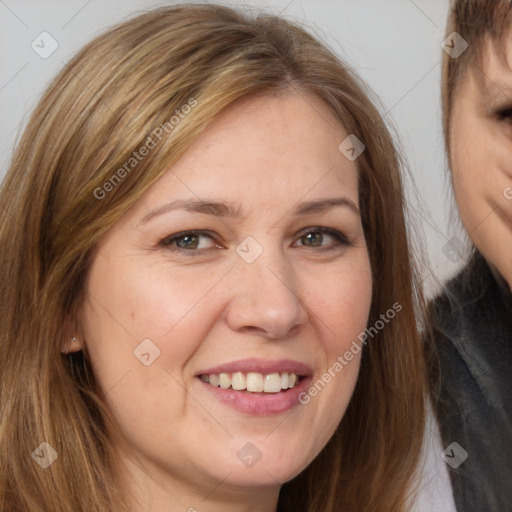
x: 466, y: 141
x: 136, y: 299
x: 341, y: 301
x: 477, y: 145
x: 143, y: 322
x: 340, y: 309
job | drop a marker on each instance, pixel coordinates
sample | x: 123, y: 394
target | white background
x: 395, y: 45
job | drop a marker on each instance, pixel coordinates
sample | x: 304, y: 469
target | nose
x: 265, y: 300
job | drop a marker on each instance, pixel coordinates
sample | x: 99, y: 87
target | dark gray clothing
x: 473, y: 391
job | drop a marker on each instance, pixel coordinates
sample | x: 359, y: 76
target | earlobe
x: 70, y: 339
x: 70, y: 345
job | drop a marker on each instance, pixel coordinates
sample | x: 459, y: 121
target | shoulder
x: 471, y: 323
x: 473, y: 300
x: 464, y: 289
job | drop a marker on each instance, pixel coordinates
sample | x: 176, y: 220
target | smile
x: 257, y: 386
x: 253, y: 382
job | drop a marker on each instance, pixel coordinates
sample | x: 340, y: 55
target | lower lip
x: 260, y: 404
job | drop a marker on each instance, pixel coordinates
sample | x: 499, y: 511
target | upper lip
x: 260, y: 366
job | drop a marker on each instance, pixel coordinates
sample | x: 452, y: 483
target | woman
x: 211, y: 300
x: 473, y: 317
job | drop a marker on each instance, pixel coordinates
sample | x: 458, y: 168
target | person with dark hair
x: 471, y: 364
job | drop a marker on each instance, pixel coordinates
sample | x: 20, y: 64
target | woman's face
x: 246, y: 259
x: 481, y: 154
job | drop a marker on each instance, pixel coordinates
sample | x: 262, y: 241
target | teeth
x: 238, y: 381
x: 225, y: 381
x: 253, y: 382
x: 272, y: 383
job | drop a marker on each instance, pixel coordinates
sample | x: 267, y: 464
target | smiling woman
x: 160, y: 339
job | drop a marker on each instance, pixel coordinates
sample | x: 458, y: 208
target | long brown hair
x: 101, y: 108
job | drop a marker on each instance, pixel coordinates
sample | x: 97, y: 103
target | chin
x: 268, y: 465
x: 260, y: 475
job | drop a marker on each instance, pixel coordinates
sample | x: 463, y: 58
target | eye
x: 325, y: 238
x: 190, y: 241
x: 505, y: 114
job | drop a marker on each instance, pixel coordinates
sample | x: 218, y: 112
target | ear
x: 70, y: 339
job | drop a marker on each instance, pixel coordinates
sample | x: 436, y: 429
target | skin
x: 481, y: 154
x: 208, y: 306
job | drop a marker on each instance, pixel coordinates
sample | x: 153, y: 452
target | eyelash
x: 505, y: 114
x: 340, y: 238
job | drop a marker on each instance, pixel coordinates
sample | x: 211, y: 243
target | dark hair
x: 477, y: 22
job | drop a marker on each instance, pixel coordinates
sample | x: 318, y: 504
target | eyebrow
x: 216, y: 208
x: 221, y: 209
x: 325, y: 204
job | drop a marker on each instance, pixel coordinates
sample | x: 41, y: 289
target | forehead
x: 491, y: 68
x: 296, y: 116
x: 291, y: 137
x: 266, y: 154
